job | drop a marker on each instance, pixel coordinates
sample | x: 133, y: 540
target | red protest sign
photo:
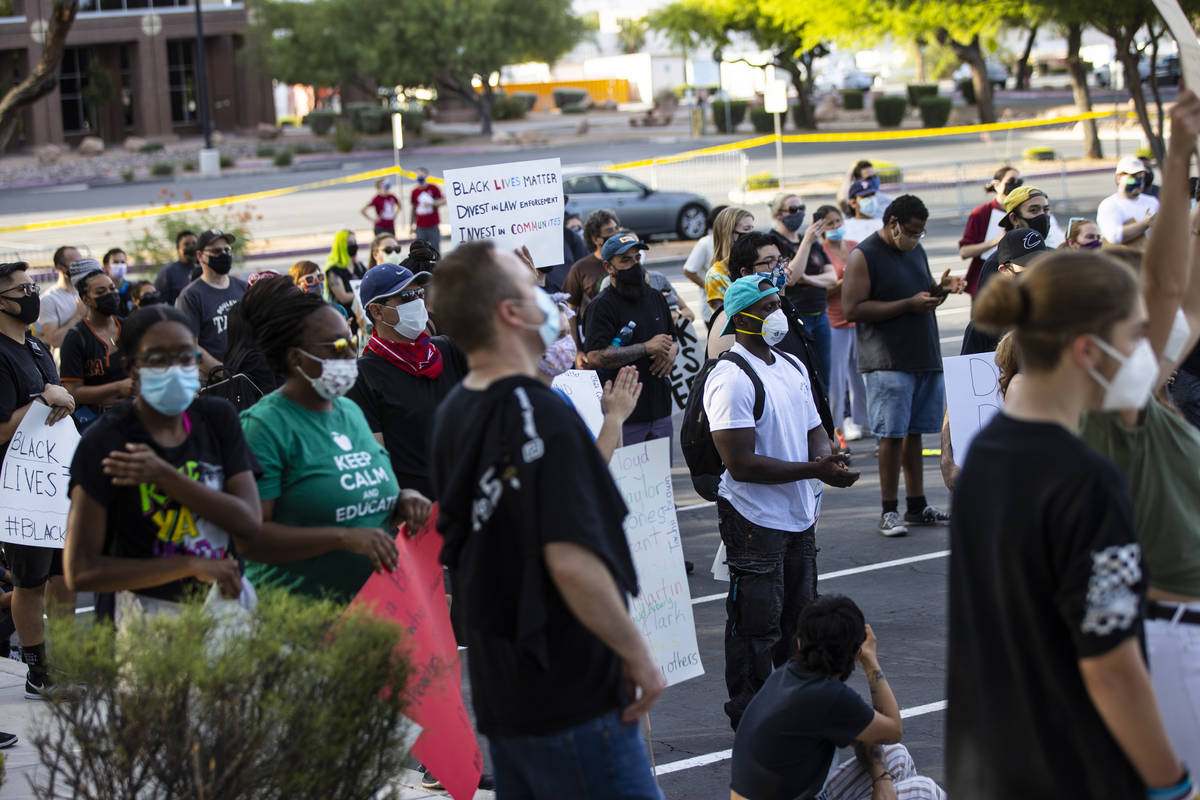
x: 414, y: 595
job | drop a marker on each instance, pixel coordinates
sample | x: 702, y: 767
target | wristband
x: 1180, y: 791
x: 885, y: 776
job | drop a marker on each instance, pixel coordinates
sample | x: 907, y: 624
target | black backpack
x: 695, y: 435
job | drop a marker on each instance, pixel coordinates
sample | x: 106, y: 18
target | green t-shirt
x: 322, y: 469
x: 1160, y: 459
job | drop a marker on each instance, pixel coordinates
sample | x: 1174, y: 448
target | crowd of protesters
x: 280, y: 429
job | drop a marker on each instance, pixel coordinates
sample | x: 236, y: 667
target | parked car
x: 1168, y: 72
x: 997, y: 73
x: 647, y: 211
x: 1103, y: 73
x: 837, y: 79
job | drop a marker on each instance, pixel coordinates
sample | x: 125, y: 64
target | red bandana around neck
x: 416, y: 358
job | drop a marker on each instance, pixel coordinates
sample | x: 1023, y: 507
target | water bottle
x: 626, y: 332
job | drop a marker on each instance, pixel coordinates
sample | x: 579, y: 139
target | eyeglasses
x: 26, y: 289
x: 158, y: 360
x: 910, y: 234
x: 410, y: 295
x: 392, y: 250
x: 222, y: 251
x: 311, y: 279
x: 342, y: 348
x: 770, y: 263
x: 795, y: 209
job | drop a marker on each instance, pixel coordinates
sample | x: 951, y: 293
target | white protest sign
x: 775, y: 96
x: 663, y: 610
x: 972, y: 398
x: 583, y: 387
x: 34, y: 480
x: 687, y: 363
x: 1185, y: 37
x: 513, y: 205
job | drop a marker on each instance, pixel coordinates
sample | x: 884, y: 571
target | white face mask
x: 337, y: 376
x: 868, y: 206
x: 774, y: 327
x: 411, y: 318
x: 1131, y: 386
x: 116, y: 270
x: 1180, y: 331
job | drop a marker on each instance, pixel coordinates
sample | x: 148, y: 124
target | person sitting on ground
x: 167, y: 455
x: 792, y: 729
x: 1082, y: 234
x: 731, y: 224
x: 330, y: 501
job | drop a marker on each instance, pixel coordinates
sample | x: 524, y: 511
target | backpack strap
x: 788, y: 357
x: 760, y: 397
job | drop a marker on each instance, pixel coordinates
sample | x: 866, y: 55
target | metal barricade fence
x: 712, y: 176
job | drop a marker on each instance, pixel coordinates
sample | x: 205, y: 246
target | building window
x: 181, y: 79
x: 95, y: 6
x: 72, y: 82
x: 126, y: 89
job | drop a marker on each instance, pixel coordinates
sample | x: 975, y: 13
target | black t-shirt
x: 401, y: 406
x: 1192, y: 362
x: 171, y: 279
x: 207, y: 308
x: 514, y: 468
x: 88, y: 359
x: 790, y: 732
x: 142, y: 521
x: 25, y: 369
x: 904, y: 343
x: 125, y: 293
x: 1044, y: 571
x: 807, y: 299
x: 607, y: 315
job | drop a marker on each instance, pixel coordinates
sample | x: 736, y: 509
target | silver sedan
x: 647, y: 211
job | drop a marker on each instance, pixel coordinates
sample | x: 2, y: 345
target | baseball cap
x: 741, y: 294
x: 863, y: 187
x: 81, y: 270
x: 385, y: 280
x: 620, y: 243
x: 211, y: 235
x: 1014, y: 200
x: 1130, y: 165
x: 1020, y: 247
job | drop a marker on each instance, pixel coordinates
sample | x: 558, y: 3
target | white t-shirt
x: 782, y: 432
x: 697, y: 263
x: 58, y: 306
x: 859, y: 229
x: 1116, y: 210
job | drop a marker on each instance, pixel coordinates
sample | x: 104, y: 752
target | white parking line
x: 725, y: 755
x: 841, y: 573
x: 696, y: 507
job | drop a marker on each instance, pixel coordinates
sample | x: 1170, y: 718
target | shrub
x: 918, y: 90
x: 127, y: 175
x: 889, y: 110
x: 151, y: 147
x: 302, y: 149
x: 302, y: 703
x: 321, y: 122
x: 163, y: 168
x: 155, y: 245
x: 345, y: 137
x: 967, y: 87
x: 374, y: 120
x: 527, y: 99
x: 1039, y: 154
x: 737, y: 113
x: 568, y: 96
x: 412, y: 120
x: 505, y: 107
x: 437, y: 139
x: 283, y: 158
x: 576, y: 108
x: 798, y: 118
x: 227, y: 161
x: 935, y: 111
x: 762, y: 121
x: 852, y: 99
x: 264, y: 151
x: 189, y: 166
x: 763, y: 180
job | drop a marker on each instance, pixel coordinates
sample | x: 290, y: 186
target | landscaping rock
x: 133, y: 144
x: 265, y: 130
x: 218, y: 138
x: 91, y: 146
x: 582, y: 128
x: 503, y: 137
x: 48, y: 154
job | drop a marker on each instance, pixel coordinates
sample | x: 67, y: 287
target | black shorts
x: 32, y: 566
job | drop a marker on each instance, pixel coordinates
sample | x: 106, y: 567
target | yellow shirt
x: 716, y: 281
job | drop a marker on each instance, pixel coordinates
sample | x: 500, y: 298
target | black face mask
x: 221, y: 264
x: 31, y: 307
x: 189, y: 254
x: 1011, y: 185
x: 108, y: 304
x: 149, y: 299
x: 1040, y: 223
x: 632, y: 277
x: 351, y: 249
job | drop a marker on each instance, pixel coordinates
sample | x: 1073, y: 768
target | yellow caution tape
x: 199, y: 205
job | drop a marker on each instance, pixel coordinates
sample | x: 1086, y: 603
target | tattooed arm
x: 887, y: 727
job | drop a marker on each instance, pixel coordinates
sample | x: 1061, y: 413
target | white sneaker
x: 851, y: 431
x: 890, y: 524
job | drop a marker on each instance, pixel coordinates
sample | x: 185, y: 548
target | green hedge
x: 374, y: 120
x: 852, y: 99
x: 528, y: 99
x: 568, y: 96
x: 918, y: 90
x: 321, y: 122
x: 935, y: 111
x: 967, y: 87
x: 889, y: 110
x: 798, y: 118
x: 575, y: 108
x: 283, y: 158
x: 737, y: 113
x: 505, y: 107
x: 762, y: 121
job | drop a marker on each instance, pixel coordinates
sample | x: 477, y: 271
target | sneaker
x: 853, y: 432
x: 38, y: 690
x: 930, y: 516
x: 890, y: 524
x: 689, y: 567
x: 7, y: 740
x: 430, y: 782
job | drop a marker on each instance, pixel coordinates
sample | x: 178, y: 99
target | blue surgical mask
x: 868, y: 206
x: 874, y: 181
x: 550, y: 329
x: 169, y: 390
x: 837, y: 234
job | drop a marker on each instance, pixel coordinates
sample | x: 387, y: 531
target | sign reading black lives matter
x: 513, y: 205
x: 34, y: 480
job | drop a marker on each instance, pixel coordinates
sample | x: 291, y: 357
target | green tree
x: 44, y: 77
x: 631, y: 34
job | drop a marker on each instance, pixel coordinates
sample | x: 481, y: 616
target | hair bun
x: 1003, y: 304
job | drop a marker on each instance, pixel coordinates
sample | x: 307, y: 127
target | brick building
x: 129, y: 69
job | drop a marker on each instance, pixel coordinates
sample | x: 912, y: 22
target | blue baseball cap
x: 620, y: 243
x: 743, y: 293
x: 385, y: 280
x: 863, y: 187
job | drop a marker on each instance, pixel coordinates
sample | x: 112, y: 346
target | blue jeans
x: 845, y: 376
x: 1185, y: 394
x: 602, y: 759
x: 818, y: 326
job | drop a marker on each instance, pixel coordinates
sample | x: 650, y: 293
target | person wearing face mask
x: 244, y: 359
x: 863, y: 218
x: 206, y: 302
x: 426, y: 198
x: 404, y: 374
x: 167, y: 455
x: 90, y: 363
x: 650, y: 346
x: 1126, y: 215
x: 385, y: 205
x: 307, y: 277
x: 330, y: 501
x: 1047, y: 580
x: 179, y: 273
x: 766, y: 505
x: 890, y: 294
x: 844, y: 377
x: 1148, y: 187
x: 1016, y: 251
x: 385, y: 249
x: 862, y: 171
x: 1082, y: 234
x: 730, y: 225
x: 61, y: 307
x: 538, y: 565
x: 983, y: 232
x: 341, y: 267
x: 116, y: 265
x: 28, y: 376
x: 144, y: 294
